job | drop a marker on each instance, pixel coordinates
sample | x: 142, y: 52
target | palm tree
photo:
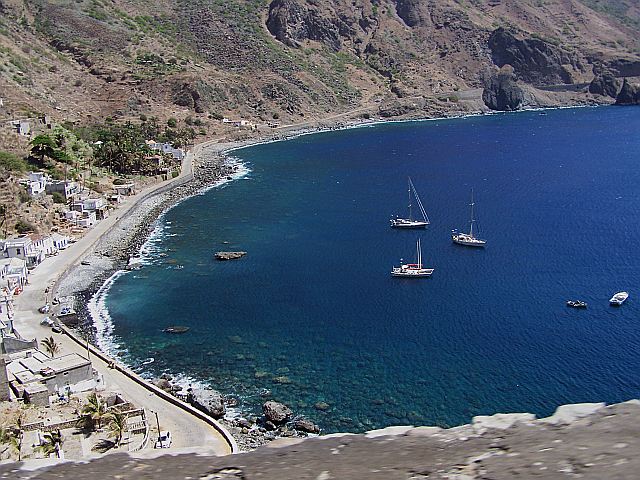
x: 52, y: 443
x: 117, y: 426
x: 51, y: 346
x: 95, y: 409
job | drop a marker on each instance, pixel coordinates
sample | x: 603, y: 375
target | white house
x: 125, y: 189
x: 67, y: 189
x: 168, y: 148
x: 87, y: 219
x: 44, y: 243
x: 36, y: 182
x: 23, y: 248
x: 13, y: 272
x: 60, y: 242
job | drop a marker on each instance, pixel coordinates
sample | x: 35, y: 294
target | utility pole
x: 158, y: 422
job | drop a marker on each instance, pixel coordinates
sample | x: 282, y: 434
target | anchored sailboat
x: 468, y: 239
x: 411, y: 222
x: 413, y: 270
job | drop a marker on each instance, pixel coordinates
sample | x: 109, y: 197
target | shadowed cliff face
x: 534, y: 61
x: 587, y: 441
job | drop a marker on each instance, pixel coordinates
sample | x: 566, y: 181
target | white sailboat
x: 413, y: 270
x: 411, y: 222
x: 468, y: 239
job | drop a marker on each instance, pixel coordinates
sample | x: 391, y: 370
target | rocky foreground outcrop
x: 586, y: 441
x: 502, y: 92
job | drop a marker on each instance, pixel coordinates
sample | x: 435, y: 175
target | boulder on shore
x: 502, y: 92
x: 208, y: 401
x: 276, y: 413
x: 304, y: 425
x: 605, y: 84
x: 229, y: 255
x: 629, y: 94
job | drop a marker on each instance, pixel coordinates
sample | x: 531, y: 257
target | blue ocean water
x: 311, y: 314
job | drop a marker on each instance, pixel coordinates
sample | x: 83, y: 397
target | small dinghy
x: 576, y: 304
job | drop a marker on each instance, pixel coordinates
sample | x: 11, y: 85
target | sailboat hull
x: 406, y: 223
x: 422, y: 273
x: 467, y: 240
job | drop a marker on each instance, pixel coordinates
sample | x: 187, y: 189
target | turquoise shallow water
x: 311, y: 314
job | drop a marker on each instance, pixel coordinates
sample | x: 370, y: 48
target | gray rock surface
x: 276, y: 413
x: 602, y: 444
x: 534, y: 60
x: 305, y: 425
x: 502, y: 92
x: 604, y: 83
x: 209, y: 401
x: 629, y: 94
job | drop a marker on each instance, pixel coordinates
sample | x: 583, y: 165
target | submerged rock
x: 229, y: 255
x: 276, y: 413
x: 208, y: 401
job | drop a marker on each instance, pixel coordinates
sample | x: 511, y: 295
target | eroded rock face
x: 276, y: 413
x: 533, y: 60
x: 208, y: 401
x: 409, y: 11
x: 304, y: 425
x: 629, y: 94
x: 604, y: 83
x: 502, y: 92
x: 291, y: 23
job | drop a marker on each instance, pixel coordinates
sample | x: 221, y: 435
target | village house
x: 44, y: 243
x: 37, y: 378
x: 126, y: 189
x: 36, y: 183
x: 66, y: 188
x: 24, y: 249
x: 166, y: 148
x: 23, y: 127
x: 60, y: 242
x: 13, y: 273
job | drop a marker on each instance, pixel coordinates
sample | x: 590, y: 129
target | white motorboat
x: 468, y: 239
x: 413, y: 270
x: 411, y: 222
x: 618, y: 298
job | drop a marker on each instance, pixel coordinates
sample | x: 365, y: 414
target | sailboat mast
x: 419, y: 254
x: 472, y: 220
x: 409, y: 191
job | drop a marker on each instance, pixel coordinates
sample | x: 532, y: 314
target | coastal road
x: 188, y: 431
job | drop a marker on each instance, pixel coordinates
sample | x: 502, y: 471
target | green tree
x: 95, y: 410
x: 117, y: 426
x: 51, y: 346
x: 172, y: 123
x: 43, y: 146
x: 52, y: 444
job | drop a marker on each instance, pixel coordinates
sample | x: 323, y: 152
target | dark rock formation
x: 229, y: 255
x: 624, y: 68
x: 208, y: 401
x: 604, y: 83
x: 502, y: 92
x: 534, y: 61
x: 590, y: 442
x: 409, y: 11
x: 276, y: 413
x: 629, y: 94
x: 304, y: 425
x: 292, y: 23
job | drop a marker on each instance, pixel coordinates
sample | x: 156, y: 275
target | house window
x: 65, y: 374
x: 18, y: 251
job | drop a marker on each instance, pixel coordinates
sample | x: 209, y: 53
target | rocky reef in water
x: 587, y: 441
